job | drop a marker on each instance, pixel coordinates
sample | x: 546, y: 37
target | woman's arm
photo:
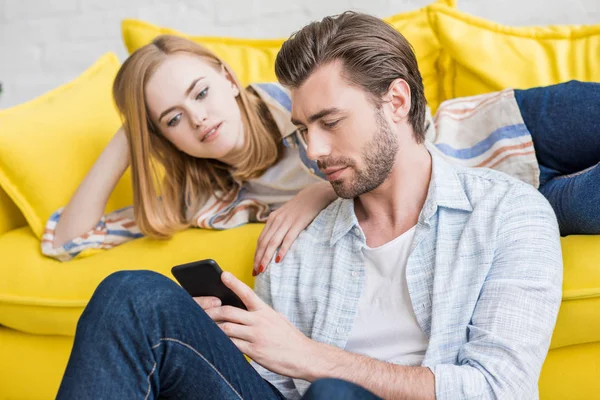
x: 87, y: 205
x: 285, y: 224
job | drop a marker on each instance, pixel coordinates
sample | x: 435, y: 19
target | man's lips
x: 333, y: 173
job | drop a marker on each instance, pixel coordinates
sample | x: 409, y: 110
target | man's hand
x: 263, y: 334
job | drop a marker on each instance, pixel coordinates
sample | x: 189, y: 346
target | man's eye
x: 202, y: 94
x: 331, y: 125
x: 174, y: 121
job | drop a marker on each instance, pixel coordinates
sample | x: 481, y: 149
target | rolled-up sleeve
x: 113, y: 229
x: 514, y: 317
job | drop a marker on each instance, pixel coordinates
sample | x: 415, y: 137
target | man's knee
x: 130, y: 287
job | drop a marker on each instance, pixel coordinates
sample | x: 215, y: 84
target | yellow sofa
x: 41, y: 299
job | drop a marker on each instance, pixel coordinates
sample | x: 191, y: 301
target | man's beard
x: 378, y: 156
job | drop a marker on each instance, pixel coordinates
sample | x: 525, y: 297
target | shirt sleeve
x: 282, y: 383
x: 112, y: 230
x: 513, y: 320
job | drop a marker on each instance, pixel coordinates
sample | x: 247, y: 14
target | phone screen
x: 203, y: 278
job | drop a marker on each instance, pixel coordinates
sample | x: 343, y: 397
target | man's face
x: 345, y: 132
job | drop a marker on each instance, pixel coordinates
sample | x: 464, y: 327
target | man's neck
x: 394, y: 207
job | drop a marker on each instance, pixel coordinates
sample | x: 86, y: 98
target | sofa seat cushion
x: 43, y: 296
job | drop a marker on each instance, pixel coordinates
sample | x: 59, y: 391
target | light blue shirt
x: 484, y: 276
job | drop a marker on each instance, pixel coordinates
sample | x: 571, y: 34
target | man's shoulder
x: 324, y: 222
x: 484, y: 186
x: 313, y: 243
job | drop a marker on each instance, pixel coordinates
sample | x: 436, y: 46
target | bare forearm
x: 386, y: 380
x: 87, y: 205
x: 323, y: 191
x: 327, y: 190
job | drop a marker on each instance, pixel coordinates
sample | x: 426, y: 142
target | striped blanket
x: 486, y: 131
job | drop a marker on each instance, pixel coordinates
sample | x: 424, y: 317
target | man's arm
x: 513, y: 320
x: 508, y: 337
x: 386, y: 380
x: 510, y: 329
x: 281, y: 352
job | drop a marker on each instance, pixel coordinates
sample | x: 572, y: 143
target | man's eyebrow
x: 318, y: 115
x: 187, y: 93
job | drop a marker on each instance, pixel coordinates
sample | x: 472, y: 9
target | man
x: 425, y: 280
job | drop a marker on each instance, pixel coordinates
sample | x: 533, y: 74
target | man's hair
x: 373, y: 55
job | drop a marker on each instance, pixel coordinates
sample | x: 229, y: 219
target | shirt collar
x: 445, y: 190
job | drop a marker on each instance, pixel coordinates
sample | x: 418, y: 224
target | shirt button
x: 312, y: 170
x: 357, y: 231
x: 340, y: 330
x: 355, y: 274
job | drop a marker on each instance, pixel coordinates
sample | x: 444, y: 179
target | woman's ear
x: 234, y: 86
x: 399, y: 97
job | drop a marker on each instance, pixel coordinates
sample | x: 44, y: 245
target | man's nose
x: 317, y: 144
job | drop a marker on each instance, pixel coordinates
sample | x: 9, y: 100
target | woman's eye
x: 202, y: 94
x: 331, y: 125
x: 174, y: 121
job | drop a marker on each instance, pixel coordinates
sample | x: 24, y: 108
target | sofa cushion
x: 10, y: 215
x: 481, y: 56
x: 254, y: 60
x: 43, y: 296
x: 48, y: 144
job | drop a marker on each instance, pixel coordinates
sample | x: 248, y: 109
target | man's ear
x: 399, y: 99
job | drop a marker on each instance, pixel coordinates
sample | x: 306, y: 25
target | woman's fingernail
x: 278, y: 258
x: 254, y: 272
x: 261, y: 269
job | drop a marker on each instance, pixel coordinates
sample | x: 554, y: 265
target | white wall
x: 44, y: 43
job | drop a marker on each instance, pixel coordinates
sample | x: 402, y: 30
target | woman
x: 228, y: 155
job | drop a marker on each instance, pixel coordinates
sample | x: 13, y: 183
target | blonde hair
x: 163, y: 207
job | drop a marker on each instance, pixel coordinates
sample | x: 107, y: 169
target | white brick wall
x: 44, y: 43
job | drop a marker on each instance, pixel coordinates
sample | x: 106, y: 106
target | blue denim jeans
x: 564, y: 122
x: 143, y: 337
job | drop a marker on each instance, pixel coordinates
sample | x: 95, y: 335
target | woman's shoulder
x: 278, y: 101
x: 274, y: 92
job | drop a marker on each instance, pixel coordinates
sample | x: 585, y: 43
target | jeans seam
x: 148, y: 379
x: 202, y: 357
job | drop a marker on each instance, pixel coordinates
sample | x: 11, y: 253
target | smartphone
x: 203, y: 278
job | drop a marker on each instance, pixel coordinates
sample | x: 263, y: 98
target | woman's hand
x: 285, y: 224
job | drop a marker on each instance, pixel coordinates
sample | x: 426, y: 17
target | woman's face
x: 194, y: 106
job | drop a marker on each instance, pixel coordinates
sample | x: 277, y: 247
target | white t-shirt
x: 386, y: 327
